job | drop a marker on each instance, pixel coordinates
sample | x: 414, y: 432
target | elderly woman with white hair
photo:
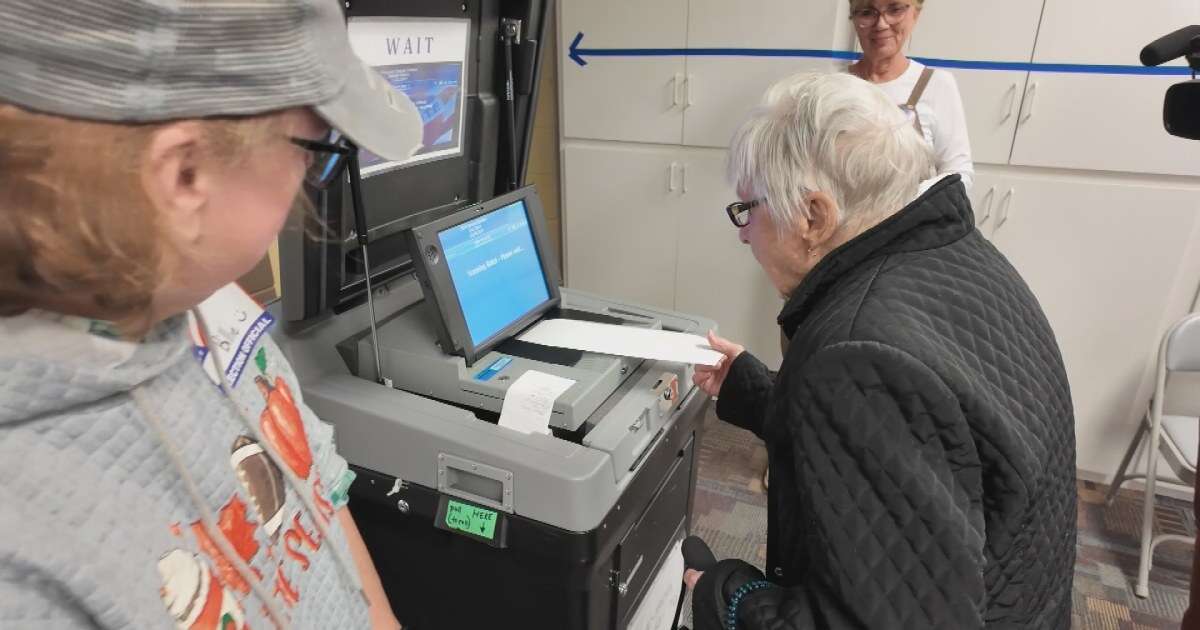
x: 920, y: 428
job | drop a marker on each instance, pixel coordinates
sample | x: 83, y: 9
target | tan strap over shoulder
x: 915, y: 97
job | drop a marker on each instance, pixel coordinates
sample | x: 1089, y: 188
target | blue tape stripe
x: 717, y: 52
x: 1022, y: 66
x: 1066, y: 68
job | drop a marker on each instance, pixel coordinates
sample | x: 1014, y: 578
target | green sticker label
x: 471, y: 519
x: 261, y: 360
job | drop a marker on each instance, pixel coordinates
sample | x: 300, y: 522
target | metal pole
x: 360, y: 227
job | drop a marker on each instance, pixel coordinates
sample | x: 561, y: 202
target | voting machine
x: 469, y: 521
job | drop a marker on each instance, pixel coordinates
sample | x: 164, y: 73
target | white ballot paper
x: 626, y: 341
x: 657, y: 610
x: 530, y: 400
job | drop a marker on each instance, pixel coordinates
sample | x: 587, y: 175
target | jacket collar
x: 938, y: 217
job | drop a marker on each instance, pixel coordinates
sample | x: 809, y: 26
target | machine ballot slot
x: 591, y: 316
x: 558, y: 356
x: 486, y: 485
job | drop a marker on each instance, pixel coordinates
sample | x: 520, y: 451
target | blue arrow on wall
x: 578, y: 54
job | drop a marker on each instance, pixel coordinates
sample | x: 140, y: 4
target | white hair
x: 833, y: 133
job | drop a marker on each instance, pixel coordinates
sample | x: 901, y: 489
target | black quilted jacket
x: 921, y: 440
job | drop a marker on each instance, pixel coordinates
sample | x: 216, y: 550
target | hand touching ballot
x: 710, y: 378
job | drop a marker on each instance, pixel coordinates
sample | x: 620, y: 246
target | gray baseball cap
x: 155, y: 60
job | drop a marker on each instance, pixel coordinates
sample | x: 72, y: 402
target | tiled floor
x: 730, y: 513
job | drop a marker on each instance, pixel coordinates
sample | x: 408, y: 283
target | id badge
x: 235, y: 323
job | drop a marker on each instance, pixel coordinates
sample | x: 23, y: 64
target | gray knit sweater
x: 128, y: 479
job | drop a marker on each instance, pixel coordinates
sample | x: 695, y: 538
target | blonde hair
x: 858, y: 5
x: 78, y: 234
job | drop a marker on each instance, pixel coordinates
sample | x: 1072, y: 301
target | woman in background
x: 930, y: 97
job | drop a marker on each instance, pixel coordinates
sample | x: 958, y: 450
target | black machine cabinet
x: 543, y: 578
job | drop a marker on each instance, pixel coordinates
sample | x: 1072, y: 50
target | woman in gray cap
x: 158, y: 465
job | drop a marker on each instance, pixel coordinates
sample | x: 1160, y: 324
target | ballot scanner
x: 471, y: 523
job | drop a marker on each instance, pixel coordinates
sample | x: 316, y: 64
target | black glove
x: 710, y: 599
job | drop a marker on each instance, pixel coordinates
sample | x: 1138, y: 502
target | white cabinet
x: 978, y: 30
x: 696, y: 100
x: 722, y: 90
x: 1085, y: 31
x: 624, y: 98
x: 620, y: 214
x: 716, y: 274
x: 661, y: 237
x: 981, y: 30
x: 1088, y: 121
x: 991, y: 101
x: 1103, y: 121
x: 1112, y: 264
x: 991, y: 198
x: 781, y: 24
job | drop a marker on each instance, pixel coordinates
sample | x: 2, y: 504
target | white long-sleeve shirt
x: 942, y: 118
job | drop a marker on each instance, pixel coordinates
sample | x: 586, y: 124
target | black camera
x: 1181, y: 109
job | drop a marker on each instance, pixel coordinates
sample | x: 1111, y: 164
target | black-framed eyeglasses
x: 330, y: 155
x: 739, y: 211
x: 892, y: 14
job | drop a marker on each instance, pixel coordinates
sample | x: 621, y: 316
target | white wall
x: 1097, y: 206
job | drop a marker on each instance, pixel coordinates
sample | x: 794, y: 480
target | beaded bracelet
x: 741, y: 593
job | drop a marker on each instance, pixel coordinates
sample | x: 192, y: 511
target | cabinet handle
x: 988, y: 199
x: 1032, y: 99
x: 1012, y: 102
x: 685, y: 178
x: 1005, y: 205
x: 675, y: 79
x: 671, y: 177
x: 687, y: 91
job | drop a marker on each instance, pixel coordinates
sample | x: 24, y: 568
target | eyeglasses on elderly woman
x: 739, y: 211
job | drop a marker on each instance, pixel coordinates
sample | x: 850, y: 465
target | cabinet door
x: 716, y: 275
x: 1084, y: 31
x: 789, y: 24
x: 1103, y: 121
x: 721, y: 90
x: 635, y: 98
x: 620, y: 216
x: 991, y: 100
x: 1106, y: 261
x: 1100, y: 122
x: 977, y: 30
x: 989, y: 193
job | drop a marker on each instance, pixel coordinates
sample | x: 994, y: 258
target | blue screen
x: 496, y: 270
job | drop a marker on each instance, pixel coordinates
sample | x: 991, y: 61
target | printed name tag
x: 236, y: 323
